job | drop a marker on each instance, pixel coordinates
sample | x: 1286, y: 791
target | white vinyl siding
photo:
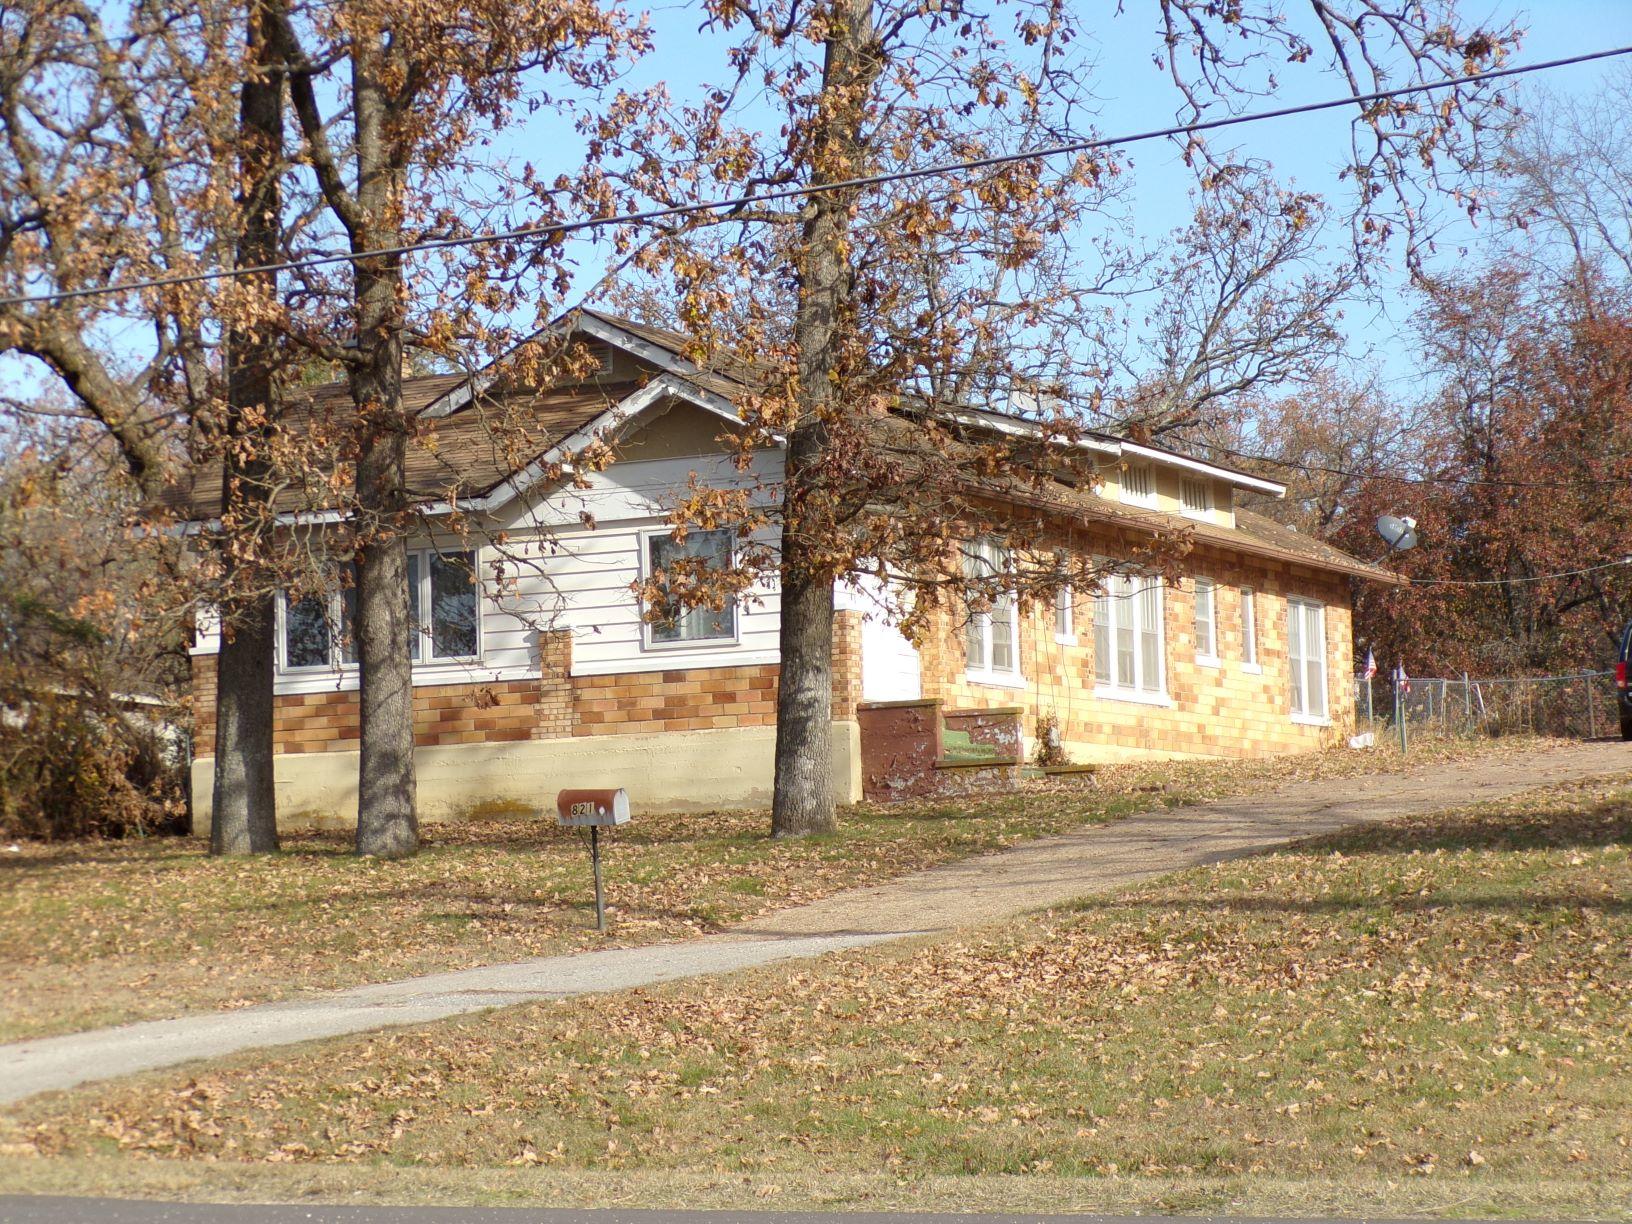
x: 1139, y: 485
x: 1306, y: 659
x: 1129, y: 642
x: 992, y: 637
x: 1206, y: 621
x: 1249, y: 628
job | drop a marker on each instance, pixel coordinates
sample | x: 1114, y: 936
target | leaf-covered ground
x: 1441, y: 1001
x: 107, y: 932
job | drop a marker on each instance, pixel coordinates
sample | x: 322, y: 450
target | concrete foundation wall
x: 669, y: 771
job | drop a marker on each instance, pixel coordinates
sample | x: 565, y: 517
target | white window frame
x: 336, y: 663
x: 1303, y: 709
x: 709, y: 643
x: 1249, y: 632
x: 422, y: 606
x: 981, y: 671
x: 1209, y: 657
x: 1117, y: 604
x: 1065, y: 616
x: 1146, y: 499
x: 421, y: 648
x: 1205, y: 487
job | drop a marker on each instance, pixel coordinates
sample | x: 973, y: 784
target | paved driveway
x: 1041, y: 873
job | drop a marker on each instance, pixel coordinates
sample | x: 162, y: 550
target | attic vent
x: 1138, y: 485
x: 1195, y: 495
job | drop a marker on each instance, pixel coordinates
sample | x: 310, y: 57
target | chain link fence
x: 1580, y: 705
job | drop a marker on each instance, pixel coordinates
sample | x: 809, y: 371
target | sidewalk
x: 1033, y: 876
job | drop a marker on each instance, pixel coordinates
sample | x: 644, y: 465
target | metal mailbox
x: 588, y: 808
x: 594, y: 810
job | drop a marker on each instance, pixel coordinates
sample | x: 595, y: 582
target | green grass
x: 109, y: 932
x: 1431, y: 1015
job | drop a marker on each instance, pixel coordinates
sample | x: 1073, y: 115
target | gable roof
x: 466, y: 453
x: 463, y: 454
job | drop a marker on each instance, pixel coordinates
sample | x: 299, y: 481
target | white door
x: 889, y: 663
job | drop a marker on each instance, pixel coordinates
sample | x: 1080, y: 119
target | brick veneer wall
x: 1216, y: 711
x: 555, y: 705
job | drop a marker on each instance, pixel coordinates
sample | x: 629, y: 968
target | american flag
x: 1371, y: 665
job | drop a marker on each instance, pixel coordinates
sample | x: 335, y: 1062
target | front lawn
x: 1434, y: 1014
x: 107, y: 932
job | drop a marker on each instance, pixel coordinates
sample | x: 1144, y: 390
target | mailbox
x: 592, y: 808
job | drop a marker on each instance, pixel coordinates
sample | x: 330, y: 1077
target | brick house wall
x: 1215, y: 711
x: 556, y: 705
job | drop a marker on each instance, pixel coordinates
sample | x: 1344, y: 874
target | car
x: 1623, y: 691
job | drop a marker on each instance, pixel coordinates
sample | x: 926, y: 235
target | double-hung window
x: 1306, y: 650
x: 682, y: 564
x: 1065, y: 618
x: 1249, y: 629
x: 991, y: 635
x: 444, y: 620
x: 443, y: 609
x: 1129, y: 643
x: 1206, y: 622
x: 316, y: 631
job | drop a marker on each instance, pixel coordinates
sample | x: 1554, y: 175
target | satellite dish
x: 1398, y: 533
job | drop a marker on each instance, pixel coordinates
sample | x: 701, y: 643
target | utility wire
x: 1482, y: 582
x: 1309, y: 468
x: 790, y: 193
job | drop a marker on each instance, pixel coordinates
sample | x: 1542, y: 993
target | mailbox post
x: 593, y: 809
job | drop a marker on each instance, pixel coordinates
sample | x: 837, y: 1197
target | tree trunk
x: 387, y: 819
x: 803, y: 799
x: 243, y: 811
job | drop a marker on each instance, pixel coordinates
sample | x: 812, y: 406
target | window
x: 1065, y: 621
x: 1129, y: 645
x: 444, y: 620
x: 1196, y: 496
x: 442, y: 605
x: 1206, y: 621
x: 992, y: 637
x: 310, y: 628
x: 1306, y: 650
x: 1139, y: 485
x: 699, y: 551
x: 1249, y: 629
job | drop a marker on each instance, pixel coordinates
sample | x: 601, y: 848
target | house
x: 535, y: 669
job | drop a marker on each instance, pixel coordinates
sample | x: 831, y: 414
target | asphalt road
x: 45, y: 1210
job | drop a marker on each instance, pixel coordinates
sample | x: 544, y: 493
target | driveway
x: 1039, y: 874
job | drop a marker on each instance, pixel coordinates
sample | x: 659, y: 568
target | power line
x: 1480, y: 582
x: 1495, y: 482
x: 790, y: 193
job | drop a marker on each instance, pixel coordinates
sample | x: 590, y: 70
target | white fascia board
x: 1239, y: 479
x: 1027, y: 429
x: 613, y: 419
x: 584, y: 321
x: 665, y: 386
x: 305, y: 518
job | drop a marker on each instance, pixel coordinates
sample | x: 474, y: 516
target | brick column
x: 554, y: 708
x: 204, y: 671
x: 846, y: 664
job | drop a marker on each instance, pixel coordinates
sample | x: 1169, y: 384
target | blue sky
x: 1135, y: 95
